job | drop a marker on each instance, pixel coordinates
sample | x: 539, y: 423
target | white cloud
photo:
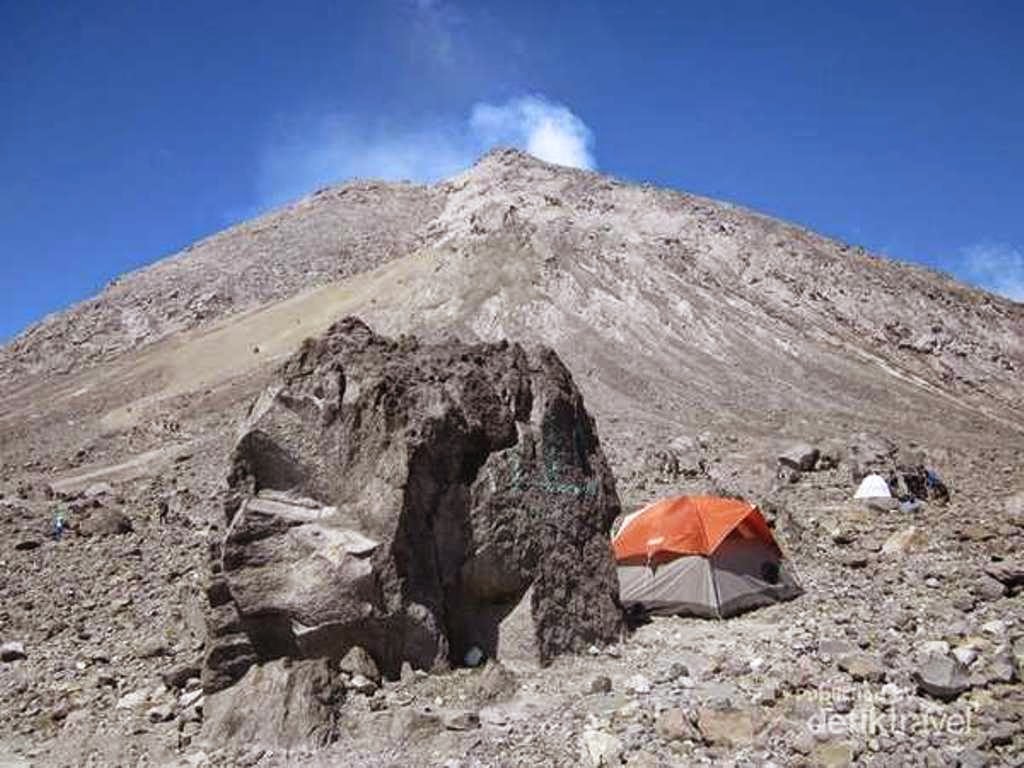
x: 998, y: 267
x: 545, y: 130
x: 308, y: 154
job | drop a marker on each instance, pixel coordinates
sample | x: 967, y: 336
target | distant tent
x: 873, y: 487
x: 702, y: 556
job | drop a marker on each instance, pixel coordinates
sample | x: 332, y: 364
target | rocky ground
x: 905, y: 649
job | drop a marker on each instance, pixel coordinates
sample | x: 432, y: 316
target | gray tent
x: 740, y: 575
x: 702, y: 556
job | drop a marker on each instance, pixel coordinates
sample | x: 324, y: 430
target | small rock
x: 863, y: 667
x: 975, y: 533
x: 1000, y: 735
x: 359, y: 662
x: 12, y: 651
x: 106, y: 680
x: 178, y: 676
x: 1002, y: 668
x: 189, y: 698
x: 675, y: 670
x: 361, y: 684
x: 804, y: 742
x: 971, y: 758
x: 639, y: 685
x: 133, y: 699
x: 105, y: 522
x: 152, y: 648
x: 160, y: 714
x: 789, y: 475
x: 496, y: 682
x: 673, y: 724
x: 943, y: 677
x: 905, y: 542
x: 832, y: 754
x: 26, y: 545
x: 1017, y: 652
x: 988, y: 588
x: 996, y: 628
x: 1010, y: 573
x: 731, y: 728
x: 966, y: 655
x: 801, y: 457
x: 855, y: 560
x: 768, y: 694
x: 97, y: 490
x: 601, y: 684
x: 474, y: 657
x: 600, y: 750
x: 834, y: 648
x: 642, y: 759
x: 934, y: 648
x: 461, y: 720
x: 413, y: 723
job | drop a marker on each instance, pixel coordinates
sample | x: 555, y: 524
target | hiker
x: 59, y: 523
x: 934, y: 486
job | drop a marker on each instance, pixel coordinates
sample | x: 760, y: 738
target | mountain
x: 706, y: 340
x: 676, y: 313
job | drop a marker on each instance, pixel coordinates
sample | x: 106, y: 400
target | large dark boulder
x: 405, y: 497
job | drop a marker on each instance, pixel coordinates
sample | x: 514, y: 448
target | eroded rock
x: 281, y: 705
x: 406, y: 498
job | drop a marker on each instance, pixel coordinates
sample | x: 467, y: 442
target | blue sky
x: 128, y: 130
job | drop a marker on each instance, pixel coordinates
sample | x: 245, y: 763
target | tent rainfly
x: 873, y: 487
x: 701, y: 556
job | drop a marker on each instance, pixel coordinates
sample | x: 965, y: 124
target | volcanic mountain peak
x: 675, y: 311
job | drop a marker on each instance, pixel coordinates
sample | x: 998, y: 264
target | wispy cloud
x: 545, y: 130
x: 998, y: 267
x: 307, y: 154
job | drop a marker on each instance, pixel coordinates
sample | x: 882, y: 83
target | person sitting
x: 936, y: 489
x: 59, y: 524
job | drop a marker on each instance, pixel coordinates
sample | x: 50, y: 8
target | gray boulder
x: 942, y: 676
x: 97, y: 490
x: 801, y: 457
x: 405, y: 497
x: 1009, y: 573
x: 358, y: 662
x: 281, y: 705
x: 105, y: 522
x: 12, y: 651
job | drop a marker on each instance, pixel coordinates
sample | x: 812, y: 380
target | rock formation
x: 405, y: 498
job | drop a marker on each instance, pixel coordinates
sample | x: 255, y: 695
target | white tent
x: 873, y: 487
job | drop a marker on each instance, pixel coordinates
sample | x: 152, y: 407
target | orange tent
x: 700, y: 556
x: 687, y: 525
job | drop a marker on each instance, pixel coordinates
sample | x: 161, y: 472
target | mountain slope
x: 676, y: 313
